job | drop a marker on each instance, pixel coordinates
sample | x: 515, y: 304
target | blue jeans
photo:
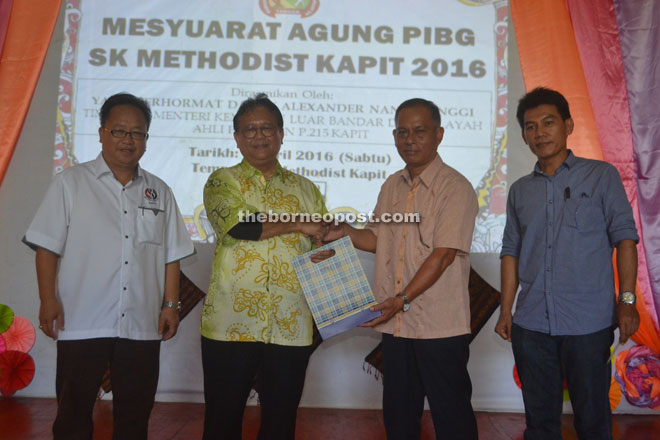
x: 544, y: 361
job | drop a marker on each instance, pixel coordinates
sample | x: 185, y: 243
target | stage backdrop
x: 457, y: 59
x: 336, y: 69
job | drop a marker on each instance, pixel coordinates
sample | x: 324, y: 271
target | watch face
x: 406, y: 307
x: 628, y: 297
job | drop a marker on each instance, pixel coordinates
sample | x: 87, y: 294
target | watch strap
x: 406, y: 303
x: 176, y: 305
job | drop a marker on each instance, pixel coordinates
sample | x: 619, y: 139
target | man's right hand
x: 314, y: 230
x: 334, y: 232
x: 503, y: 326
x: 51, y: 312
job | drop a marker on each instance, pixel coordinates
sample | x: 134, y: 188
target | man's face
x: 259, y: 139
x: 545, y: 132
x: 417, y: 138
x: 123, y: 154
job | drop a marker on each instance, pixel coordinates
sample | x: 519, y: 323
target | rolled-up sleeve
x: 511, y: 241
x: 618, y: 212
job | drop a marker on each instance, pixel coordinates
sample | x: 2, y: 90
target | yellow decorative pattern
x: 292, y: 241
x: 283, y: 275
x: 247, y: 184
x: 289, y: 325
x: 254, y: 302
x: 243, y: 257
x: 239, y: 333
x: 282, y: 202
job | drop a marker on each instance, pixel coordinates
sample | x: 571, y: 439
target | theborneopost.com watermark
x: 336, y: 218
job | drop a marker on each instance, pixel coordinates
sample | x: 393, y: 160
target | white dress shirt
x: 114, y: 242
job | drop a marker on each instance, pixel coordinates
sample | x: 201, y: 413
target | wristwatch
x: 406, y: 304
x: 627, y: 298
x: 172, y: 305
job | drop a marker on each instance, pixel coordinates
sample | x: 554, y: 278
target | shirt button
x: 125, y: 262
x: 125, y: 236
x: 125, y: 212
x: 123, y: 314
x: 549, y: 247
x: 124, y: 288
x: 123, y: 189
x: 550, y: 201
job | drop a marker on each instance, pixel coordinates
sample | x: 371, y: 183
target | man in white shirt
x: 109, y: 237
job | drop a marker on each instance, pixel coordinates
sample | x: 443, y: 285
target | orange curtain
x: 549, y: 57
x: 30, y: 28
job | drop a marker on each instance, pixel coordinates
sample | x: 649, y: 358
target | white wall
x: 335, y: 376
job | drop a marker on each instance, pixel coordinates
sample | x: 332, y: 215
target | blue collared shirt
x: 563, y: 229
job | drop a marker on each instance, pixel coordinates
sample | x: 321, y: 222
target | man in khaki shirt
x: 421, y: 281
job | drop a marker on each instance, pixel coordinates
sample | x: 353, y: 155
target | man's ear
x: 569, y: 125
x: 439, y: 134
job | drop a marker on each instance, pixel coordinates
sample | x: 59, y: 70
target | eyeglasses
x: 251, y: 132
x: 135, y: 135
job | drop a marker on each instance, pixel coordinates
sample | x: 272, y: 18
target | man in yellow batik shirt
x: 255, y: 319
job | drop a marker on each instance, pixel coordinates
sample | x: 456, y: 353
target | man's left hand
x: 628, y: 319
x: 322, y: 255
x: 168, y: 323
x: 388, y: 308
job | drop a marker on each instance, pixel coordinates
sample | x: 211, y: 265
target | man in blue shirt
x: 563, y: 221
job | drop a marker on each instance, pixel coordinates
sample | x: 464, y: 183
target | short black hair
x: 125, y: 99
x: 420, y: 102
x: 259, y: 100
x: 540, y: 96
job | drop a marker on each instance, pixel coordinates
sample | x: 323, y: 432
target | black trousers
x: 80, y: 368
x: 437, y: 369
x: 229, y: 372
x: 544, y: 361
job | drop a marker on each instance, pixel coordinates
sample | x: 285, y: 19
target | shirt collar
x: 568, y: 163
x: 428, y: 175
x: 100, y: 167
x: 250, y: 171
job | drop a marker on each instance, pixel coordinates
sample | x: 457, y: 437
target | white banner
x: 337, y: 69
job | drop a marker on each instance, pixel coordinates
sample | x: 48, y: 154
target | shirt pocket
x: 589, y: 216
x: 150, y: 225
x: 584, y: 214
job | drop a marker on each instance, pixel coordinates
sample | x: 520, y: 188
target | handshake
x: 324, y: 232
